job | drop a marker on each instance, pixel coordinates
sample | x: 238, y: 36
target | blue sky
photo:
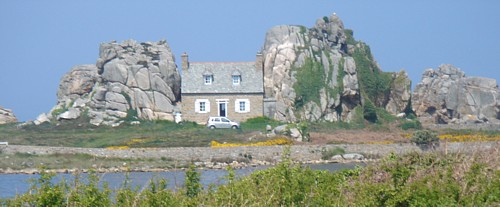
x: 41, y: 40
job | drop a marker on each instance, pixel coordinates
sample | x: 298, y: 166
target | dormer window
x: 236, y: 79
x: 208, y: 79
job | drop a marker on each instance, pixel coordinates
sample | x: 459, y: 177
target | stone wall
x: 189, y: 114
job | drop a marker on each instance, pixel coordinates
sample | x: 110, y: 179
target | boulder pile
x: 129, y: 81
x: 447, y: 96
x: 287, y: 49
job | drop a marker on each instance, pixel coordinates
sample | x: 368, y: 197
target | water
x: 14, y: 184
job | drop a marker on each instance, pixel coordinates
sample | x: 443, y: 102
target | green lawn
x: 147, y: 134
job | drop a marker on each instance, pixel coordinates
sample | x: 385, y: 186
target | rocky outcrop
x: 446, y: 95
x: 6, y: 116
x: 313, y: 74
x: 400, y: 93
x: 129, y: 81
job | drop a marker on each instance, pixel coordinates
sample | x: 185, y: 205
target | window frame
x: 236, y: 79
x: 208, y: 79
x: 238, y: 105
x: 198, y: 106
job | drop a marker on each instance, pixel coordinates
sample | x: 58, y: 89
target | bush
x: 412, y: 124
x: 425, y: 139
x: 370, y: 112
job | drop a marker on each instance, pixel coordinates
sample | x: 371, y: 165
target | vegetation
x: 272, y: 142
x: 310, y: 80
x: 411, y: 124
x: 469, y: 136
x: 79, y: 133
x: 369, y: 112
x: 20, y: 161
x: 375, y: 85
x: 427, y: 179
x: 425, y: 139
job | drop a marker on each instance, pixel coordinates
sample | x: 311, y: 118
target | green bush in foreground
x: 417, y: 179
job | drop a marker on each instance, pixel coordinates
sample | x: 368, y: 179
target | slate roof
x: 193, y: 81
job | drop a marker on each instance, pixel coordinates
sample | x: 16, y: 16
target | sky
x: 40, y: 41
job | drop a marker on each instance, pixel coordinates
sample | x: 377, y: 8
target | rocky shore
x: 236, y: 157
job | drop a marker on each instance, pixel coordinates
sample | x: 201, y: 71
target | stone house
x: 230, y: 89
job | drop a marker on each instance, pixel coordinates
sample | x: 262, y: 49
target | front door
x: 222, y: 108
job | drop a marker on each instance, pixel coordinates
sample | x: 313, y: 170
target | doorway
x: 222, y: 108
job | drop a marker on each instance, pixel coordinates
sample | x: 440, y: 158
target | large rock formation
x: 317, y: 74
x: 6, y: 116
x: 446, y: 95
x: 130, y: 80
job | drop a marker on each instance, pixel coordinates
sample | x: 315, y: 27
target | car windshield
x: 225, y: 120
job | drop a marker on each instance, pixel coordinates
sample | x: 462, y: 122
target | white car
x: 221, y: 122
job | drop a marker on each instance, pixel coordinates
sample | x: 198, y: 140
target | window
x: 202, y: 106
x: 208, y: 79
x: 236, y: 79
x: 242, y: 105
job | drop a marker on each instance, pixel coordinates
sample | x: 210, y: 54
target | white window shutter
x: 207, y: 106
x: 237, y: 105
x: 197, y: 106
x: 247, y: 105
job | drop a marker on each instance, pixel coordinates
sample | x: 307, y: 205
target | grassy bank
x: 23, y: 161
x: 148, y: 134
x: 428, y: 179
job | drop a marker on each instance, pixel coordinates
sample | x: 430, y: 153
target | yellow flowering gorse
x: 278, y: 141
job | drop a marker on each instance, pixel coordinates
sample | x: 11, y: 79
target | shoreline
x: 173, y: 159
x: 203, y: 166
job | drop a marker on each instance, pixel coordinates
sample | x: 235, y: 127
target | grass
x: 147, y: 134
x: 21, y: 161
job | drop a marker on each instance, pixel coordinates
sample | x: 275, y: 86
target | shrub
x: 412, y: 124
x: 369, y: 112
x: 193, y: 185
x: 425, y: 139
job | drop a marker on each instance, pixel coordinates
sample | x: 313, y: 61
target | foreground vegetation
x: 428, y: 179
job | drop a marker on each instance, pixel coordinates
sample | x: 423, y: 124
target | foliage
x: 272, y: 142
x: 425, y: 138
x: 414, y: 179
x: 369, y: 112
x: 411, y: 124
x: 374, y: 83
x: 131, y: 115
x: 462, y: 136
x: 310, y: 80
x: 258, y: 124
x: 151, y: 134
x: 193, y: 185
x: 326, y: 19
x: 329, y: 153
x: 58, y: 111
x: 349, y: 37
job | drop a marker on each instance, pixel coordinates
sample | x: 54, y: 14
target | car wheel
x: 234, y: 127
x: 211, y: 127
